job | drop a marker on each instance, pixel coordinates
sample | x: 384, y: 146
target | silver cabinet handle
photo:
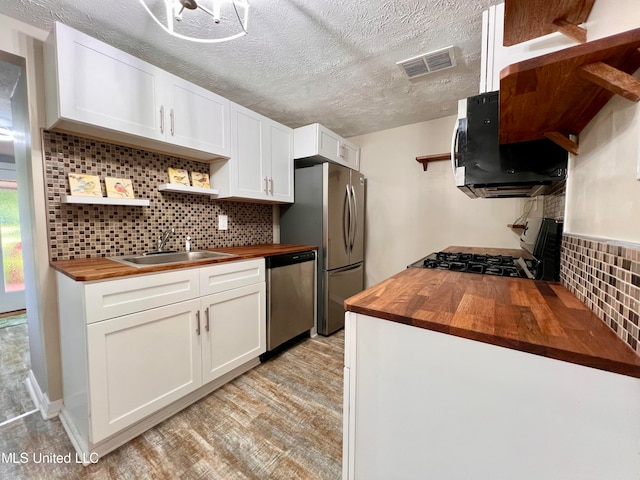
x: 266, y: 185
x: 162, y: 119
x: 172, y: 123
x: 271, y: 183
x: 355, y: 217
x: 198, y: 319
x: 206, y: 325
x: 341, y: 154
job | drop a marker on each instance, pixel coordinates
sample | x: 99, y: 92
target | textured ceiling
x: 327, y: 61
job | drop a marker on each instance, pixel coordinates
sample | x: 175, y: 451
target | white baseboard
x: 48, y: 409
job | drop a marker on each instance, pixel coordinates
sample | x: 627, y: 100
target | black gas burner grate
x: 499, y: 265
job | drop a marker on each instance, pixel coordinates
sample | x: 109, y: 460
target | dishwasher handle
x: 290, y: 259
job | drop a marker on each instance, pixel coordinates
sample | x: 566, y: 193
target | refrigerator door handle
x: 343, y: 271
x: 355, y: 217
x: 346, y: 220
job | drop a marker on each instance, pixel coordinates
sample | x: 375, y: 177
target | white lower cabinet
x: 124, y: 374
x: 140, y: 363
x: 234, y: 329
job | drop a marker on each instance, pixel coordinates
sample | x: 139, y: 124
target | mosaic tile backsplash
x: 554, y: 202
x: 84, y: 231
x: 606, y: 277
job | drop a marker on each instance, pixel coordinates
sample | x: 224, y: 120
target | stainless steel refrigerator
x: 329, y: 212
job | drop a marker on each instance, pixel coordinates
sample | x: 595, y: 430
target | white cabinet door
x: 261, y: 164
x: 329, y: 144
x: 99, y: 85
x: 350, y: 155
x: 249, y: 175
x: 195, y: 117
x: 319, y: 143
x: 279, y: 150
x: 140, y: 363
x: 234, y: 329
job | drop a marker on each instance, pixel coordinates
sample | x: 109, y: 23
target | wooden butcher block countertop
x: 537, y: 317
x: 89, y: 269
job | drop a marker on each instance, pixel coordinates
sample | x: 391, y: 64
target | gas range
x: 500, y: 265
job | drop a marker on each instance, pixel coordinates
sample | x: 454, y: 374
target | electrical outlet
x: 223, y: 222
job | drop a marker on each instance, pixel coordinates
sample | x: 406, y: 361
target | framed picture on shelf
x: 84, y: 185
x: 118, y: 187
x: 200, y: 180
x: 178, y: 177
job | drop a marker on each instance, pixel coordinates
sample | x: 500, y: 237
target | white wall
x: 603, y: 195
x: 411, y: 213
x: 22, y: 41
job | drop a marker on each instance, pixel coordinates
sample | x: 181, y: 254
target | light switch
x: 223, y: 222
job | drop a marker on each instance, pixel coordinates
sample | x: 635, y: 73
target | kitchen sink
x: 158, y: 258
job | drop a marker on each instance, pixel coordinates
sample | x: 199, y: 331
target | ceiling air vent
x: 428, y: 62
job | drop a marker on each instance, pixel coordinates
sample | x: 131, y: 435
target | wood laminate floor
x: 281, y: 420
x: 14, y: 368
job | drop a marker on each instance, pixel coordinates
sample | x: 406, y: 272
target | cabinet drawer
x: 114, y: 298
x: 226, y: 276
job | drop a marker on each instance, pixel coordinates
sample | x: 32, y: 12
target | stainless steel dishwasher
x: 290, y: 297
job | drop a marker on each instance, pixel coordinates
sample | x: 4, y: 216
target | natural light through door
x: 12, y: 273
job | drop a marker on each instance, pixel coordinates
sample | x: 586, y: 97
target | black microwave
x: 485, y: 168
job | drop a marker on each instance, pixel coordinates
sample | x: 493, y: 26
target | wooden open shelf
x: 527, y: 19
x: 559, y: 93
x: 432, y: 158
x: 131, y: 202
x: 171, y: 187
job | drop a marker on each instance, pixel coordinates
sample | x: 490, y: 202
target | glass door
x: 11, y: 272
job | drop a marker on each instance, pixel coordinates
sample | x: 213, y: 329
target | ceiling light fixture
x: 218, y: 21
x: 6, y: 134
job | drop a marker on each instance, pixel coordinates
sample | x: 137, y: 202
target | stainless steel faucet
x: 164, y: 237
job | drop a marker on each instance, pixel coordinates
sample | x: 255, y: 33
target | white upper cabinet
x: 279, y: 147
x: 95, y: 89
x: 261, y: 163
x: 96, y: 84
x: 197, y: 118
x: 328, y: 144
x: 319, y: 144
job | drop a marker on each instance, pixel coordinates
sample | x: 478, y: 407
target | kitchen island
x: 457, y: 375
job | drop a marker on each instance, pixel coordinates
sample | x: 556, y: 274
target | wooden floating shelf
x: 170, y: 187
x: 558, y: 94
x: 517, y: 225
x: 432, y: 158
x: 528, y: 19
x: 130, y: 202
